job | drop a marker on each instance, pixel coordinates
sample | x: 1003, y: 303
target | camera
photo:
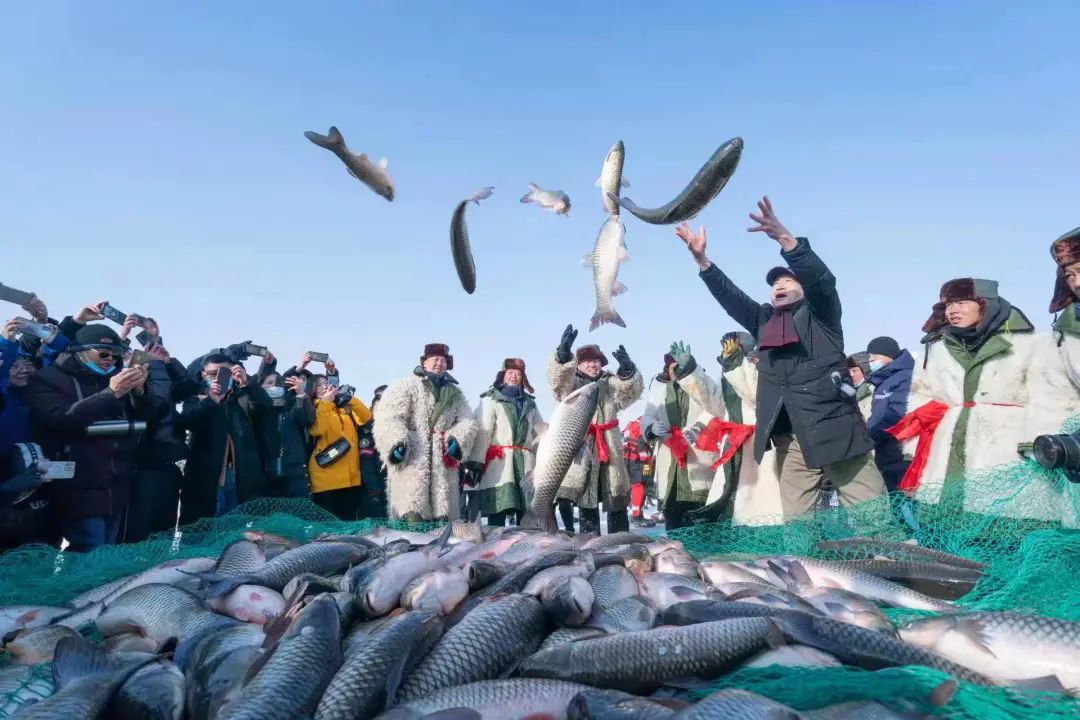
x: 345, y: 394
x: 1060, y: 452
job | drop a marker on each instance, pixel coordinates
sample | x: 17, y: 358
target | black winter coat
x: 285, y: 439
x: 240, y: 416
x: 104, y: 466
x: 797, y: 378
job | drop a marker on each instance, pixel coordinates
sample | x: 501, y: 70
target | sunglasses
x: 107, y: 354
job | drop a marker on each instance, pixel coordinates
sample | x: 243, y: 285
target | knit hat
x: 590, y: 352
x: 778, y: 272
x: 97, y: 336
x: 1065, y: 251
x: 975, y: 289
x: 438, y: 350
x: 514, y: 364
x: 884, y: 345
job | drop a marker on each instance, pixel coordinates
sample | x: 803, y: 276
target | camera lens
x: 1049, y: 451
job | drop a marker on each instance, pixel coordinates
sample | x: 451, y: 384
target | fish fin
x: 218, y: 585
x: 797, y: 572
x: 335, y: 135
x: 599, y: 181
x: 943, y: 693
x: 527, y: 197
x: 624, y: 183
x: 618, y: 289
x: 835, y: 607
x: 622, y: 256
x: 975, y: 632
x: 77, y: 657
x: 685, y: 593
x: 586, y: 259
x: 444, y: 538
x: 1047, y: 683
x: 686, y: 683
x: 349, y: 170
x: 775, y: 636
x: 600, y: 318
x: 383, y: 162
x: 393, y: 679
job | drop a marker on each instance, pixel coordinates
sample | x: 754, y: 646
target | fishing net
x: 1018, y: 519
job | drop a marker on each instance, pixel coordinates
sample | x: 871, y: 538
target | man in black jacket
x: 224, y: 465
x: 805, y: 398
x: 65, y: 399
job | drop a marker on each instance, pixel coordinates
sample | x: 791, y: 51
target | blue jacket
x: 892, y: 385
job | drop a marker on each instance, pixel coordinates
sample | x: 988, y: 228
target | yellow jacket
x: 332, y: 423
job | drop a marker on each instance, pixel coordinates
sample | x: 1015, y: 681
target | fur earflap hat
x: 1065, y: 251
x: 590, y: 352
x: 974, y: 289
x: 438, y: 350
x: 514, y: 364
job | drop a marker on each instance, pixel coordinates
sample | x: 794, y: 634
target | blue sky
x: 153, y: 154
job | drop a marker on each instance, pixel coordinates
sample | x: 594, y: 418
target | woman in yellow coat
x: 334, y: 465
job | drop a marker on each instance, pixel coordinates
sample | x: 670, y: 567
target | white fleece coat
x: 757, y: 497
x: 582, y: 484
x: 698, y: 462
x: 493, y: 420
x: 422, y: 484
x: 1022, y: 393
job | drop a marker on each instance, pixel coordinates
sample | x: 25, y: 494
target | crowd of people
x: 100, y: 441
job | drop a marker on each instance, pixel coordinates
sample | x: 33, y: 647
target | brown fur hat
x: 514, y: 364
x: 1065, y: 251
x: 975, y: 289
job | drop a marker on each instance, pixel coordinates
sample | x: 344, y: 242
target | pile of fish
x: 473, y: 622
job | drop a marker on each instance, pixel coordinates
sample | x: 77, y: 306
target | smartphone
x: 318, y: 356
x: 145, y: 338
x: 333, y: 380
x: 58, y: 470
x: 224, y: 379
x: 253, y: 349
x: 139, y: 320
x: 29, y: 327
x: 138, y: 357
x: 11, y: 295
x: 113, y: 314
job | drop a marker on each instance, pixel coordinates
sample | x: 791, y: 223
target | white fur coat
x: 757, y: 497
x: 698, y: 462
x: 1022, y: 393
x: 581, y: 483
x: 494, y: 428
x: 423, y: 484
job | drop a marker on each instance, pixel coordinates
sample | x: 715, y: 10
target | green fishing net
x: 1033, y: 566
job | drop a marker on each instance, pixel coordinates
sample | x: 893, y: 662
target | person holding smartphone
x: 285, y: 436
x: 224, y: 465
x: 88, y: 386
x: 334, y: 465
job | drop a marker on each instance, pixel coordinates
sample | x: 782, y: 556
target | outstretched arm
x: 741, y: 307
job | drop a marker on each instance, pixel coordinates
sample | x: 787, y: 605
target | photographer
x: 65, y: 401
x: 334, y: 465
x: 286, y: 436
x: 24, y: 511
x: 224, y: 466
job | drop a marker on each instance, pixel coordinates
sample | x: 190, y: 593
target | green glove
x: 681, y: 353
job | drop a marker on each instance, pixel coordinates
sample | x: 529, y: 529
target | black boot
x: 618, y: 521
x: 566, y: 512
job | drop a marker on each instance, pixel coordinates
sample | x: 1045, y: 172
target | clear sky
x: 153, y: 154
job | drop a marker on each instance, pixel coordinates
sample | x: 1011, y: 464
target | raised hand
x: 768, y: 223
x: 90, y: 313
x: 681, y: 353
x: 695, y: 243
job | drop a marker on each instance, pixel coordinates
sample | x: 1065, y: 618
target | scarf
x: 779, y: 330
x: 438, y: 382
x: 516, y: 395
x: 996, y: 313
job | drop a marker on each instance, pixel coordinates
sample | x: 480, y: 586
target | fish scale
x: 491, y: 638
x: 825, y: 573
x: 742, y: 704
x: 239, y: 558
x: 160, y: 612
x: 611, y: 584
x: 641, y: 661
x: 319, y: 558
x: 491, y: 698
x: 461, y: 250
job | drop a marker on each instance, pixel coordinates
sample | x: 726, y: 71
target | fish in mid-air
x: 555, y: 200
x: 459, y: 241
x: 482, y: 194
x: 707, y: 184
x: 611, y: 180
x: 373, y: 175
x: 607, y: 255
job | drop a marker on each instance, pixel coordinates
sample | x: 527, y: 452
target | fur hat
x: 975, y: 289
x: 1065, y: 251
x: 438, y: 350
x: 514, y: 364
x: 590, y: 352
x: 861, y: 361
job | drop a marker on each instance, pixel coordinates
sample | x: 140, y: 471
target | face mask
x: 876, y: 365
x: 276, y: 392
x: 96, y: 369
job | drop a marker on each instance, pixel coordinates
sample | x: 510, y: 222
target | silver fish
x: 555, y: 200
x: 582, y: 566
x: 607, y: 255
x: 381, y: 591
x: 489, y: 699
x: 320, y: 558
x: 154, y: 692
x: 249, y: 603
x: 560, y: 445
x: 611, y: 180
x: 636, y: 558
x: 664, y: 589
x: 742, y: 704
x: 569, y: 602
x: 373, y: 175
x: 489, y: 640
x: 35, y: 645
x: 239, y: 558
x: 159, y: 612
x: 677, y: 562
x: 440, y: 591
x: 460, y: 249
x: 616, y: 705
x: 630, y: 614
x: 614, y: 540
x: 170, y: 572
x: 1009, y: 647
x: 717, y: 572
x: 849, y: 607
x: 482, y: 194
x: 692, y: 612
x: 611, y: 584
x: 297, y: 671
x: 793, y: 656
x: 706, y: 185
x: 823, y: 573
x: 218, y: 667
x: 642, y: 661
x: 863, y: 547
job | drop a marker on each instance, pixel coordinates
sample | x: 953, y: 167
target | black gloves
x: 626, y: 365
x: 471, y: 472
x: 568, y: 337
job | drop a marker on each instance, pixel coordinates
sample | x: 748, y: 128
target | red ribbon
x: 597, y: 431
x: 922, y: 422
x: 713, y: 436
x: 678, y: 446
x: 498, y: 452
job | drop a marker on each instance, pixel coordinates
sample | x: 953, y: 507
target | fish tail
x: 332, y: 140
x: 601, y: 317
x: 544, y: 521
x: 218, y: 585
x: 527, y: 197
